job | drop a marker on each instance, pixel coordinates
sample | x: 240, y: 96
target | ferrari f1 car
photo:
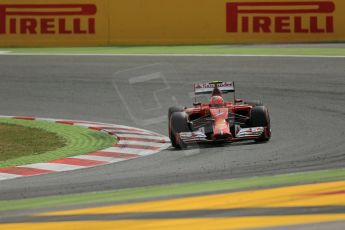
x: 218, y: 120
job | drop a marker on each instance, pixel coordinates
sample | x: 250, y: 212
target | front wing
x: 242, y: 134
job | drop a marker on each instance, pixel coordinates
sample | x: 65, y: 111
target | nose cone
x: 222, y: 136
x: 221, y: 128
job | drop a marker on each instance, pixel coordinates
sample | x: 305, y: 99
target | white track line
x: 143, y: 143
x: 86, y: 124
x: 121, y: 150
x: 5, y: 116
x: 109, y: 126
x: 53, y: 167
x: 141, y: 136
x: 127, y: 150
x: 93, y: 125
x: 6, y: 176
x: 98, y: 158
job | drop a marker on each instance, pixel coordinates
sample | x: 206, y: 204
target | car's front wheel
x: 178, y: 124
x: 260, y: 118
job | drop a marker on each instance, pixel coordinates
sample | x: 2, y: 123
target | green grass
x: 192, y: 49
x: 166, y: 191
x: 18, y: 141
x: 77, y: 140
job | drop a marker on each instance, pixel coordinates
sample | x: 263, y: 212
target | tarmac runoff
x: 132, y: 143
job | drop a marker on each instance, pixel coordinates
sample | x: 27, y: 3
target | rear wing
x: 207, y: 88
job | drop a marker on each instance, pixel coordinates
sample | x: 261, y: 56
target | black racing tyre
x: 174, y: 109
x: 178, y: 124
x: 254, y: 103
x: 260, y: 118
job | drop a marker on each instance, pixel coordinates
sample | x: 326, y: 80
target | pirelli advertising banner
x: 141, y: 22
x: 53, y: 23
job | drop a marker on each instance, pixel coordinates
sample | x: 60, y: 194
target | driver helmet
x: 217, y: 101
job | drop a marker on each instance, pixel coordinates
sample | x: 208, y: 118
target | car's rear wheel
x: 260, y: 118
x: 178, y: 124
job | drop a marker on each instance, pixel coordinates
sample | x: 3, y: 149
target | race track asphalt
x: 305, y: 96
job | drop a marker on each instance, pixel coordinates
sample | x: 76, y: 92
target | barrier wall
x: 138, y: 22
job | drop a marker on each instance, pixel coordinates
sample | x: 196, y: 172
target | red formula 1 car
x: 218, y: 120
